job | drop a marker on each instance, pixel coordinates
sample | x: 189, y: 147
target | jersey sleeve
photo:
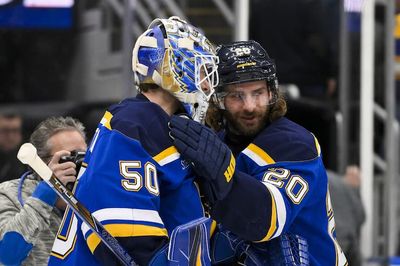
x: 275, y: 177
x: 290, y: 183
x: 291, y: 187
x: 21, y: 226
x: 118, y: 184
x: 120, y: 188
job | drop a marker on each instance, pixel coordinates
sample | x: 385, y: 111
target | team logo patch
x: 185, y: 164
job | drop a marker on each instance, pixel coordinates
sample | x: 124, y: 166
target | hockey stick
x: 27, y: 154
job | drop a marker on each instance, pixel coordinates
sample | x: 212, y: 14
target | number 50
x: 134, y: 181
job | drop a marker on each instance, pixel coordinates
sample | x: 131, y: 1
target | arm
x: 241, y: 212
x: 21, y: 225
x: 129, y: 212
x: 231, y: 193
x: 19, y: 228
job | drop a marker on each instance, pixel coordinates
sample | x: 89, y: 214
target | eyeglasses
x: 240, y: 97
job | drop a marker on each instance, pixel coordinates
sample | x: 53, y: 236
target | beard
x: 247, y: 124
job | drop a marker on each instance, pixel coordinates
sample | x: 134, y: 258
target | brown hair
x: 215, y: 116
x: 145, y: 87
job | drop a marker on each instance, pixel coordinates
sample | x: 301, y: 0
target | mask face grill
x: 179, y: 58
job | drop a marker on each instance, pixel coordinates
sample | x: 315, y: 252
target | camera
x: 77, y: 158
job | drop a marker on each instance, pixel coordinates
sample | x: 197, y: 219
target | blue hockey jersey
x: 134, y: 182
x: 286, y: 158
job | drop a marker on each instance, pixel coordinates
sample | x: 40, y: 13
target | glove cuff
x: 217, y: 189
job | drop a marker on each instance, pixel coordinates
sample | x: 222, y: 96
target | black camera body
x: 77, y: 158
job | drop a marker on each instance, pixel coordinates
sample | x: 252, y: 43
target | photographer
x: 30, y: 211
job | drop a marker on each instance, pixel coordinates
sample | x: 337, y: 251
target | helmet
x: 245, y: 61
x: 177, y: 57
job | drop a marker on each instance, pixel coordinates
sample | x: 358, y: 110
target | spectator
x: 10, y: 140
x: 30, y: 211
x: 349, y: 211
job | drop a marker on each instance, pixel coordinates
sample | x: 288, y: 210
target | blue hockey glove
x: 211, y: 158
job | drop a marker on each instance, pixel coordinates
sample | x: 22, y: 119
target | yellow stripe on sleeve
x: 166, y: 156
x: 273, y: 226
x: 125, y: 230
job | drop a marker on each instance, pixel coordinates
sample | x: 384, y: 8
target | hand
x: 211, y: 158
x: 352, y: 176
x: 65, y: 172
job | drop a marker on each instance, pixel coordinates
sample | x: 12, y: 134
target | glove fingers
x: 179, y: 122
x: 191, y: 128
x: 186, y: 151
x: 183, y: 137
x: 186, y: 124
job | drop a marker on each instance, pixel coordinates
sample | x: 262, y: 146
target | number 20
x: 242, y: 51
x: 133, y: 179
x: 277, y: 177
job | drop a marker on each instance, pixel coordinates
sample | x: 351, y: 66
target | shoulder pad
x: 284, y: 140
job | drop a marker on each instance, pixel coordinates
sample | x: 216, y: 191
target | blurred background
x: 338, y: 63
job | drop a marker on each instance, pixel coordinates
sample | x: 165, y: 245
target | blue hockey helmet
x: 177, y: 57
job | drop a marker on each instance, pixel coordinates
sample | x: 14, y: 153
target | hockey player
x: 267, y: 186
x: 133, y: 179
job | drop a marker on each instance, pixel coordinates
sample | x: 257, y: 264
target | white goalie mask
x: 177, y: 57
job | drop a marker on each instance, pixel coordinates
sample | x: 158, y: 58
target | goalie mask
x: 177, y: 57
x: 245, y: 61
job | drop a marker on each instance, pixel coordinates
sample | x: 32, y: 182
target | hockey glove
x: 211, y: 158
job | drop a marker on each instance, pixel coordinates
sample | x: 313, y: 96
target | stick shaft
x: 27, y: 154
x: 83, y: 213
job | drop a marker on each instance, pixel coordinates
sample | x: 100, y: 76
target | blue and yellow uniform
x: 286, y: 159
x: 134, y: 182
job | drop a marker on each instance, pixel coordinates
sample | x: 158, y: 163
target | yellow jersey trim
x: 261, y: 153
x: 106, y: 120
x: 317, y: 146
x: 125, y: 230
x: 165, y: 153
x: 272, y: 227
